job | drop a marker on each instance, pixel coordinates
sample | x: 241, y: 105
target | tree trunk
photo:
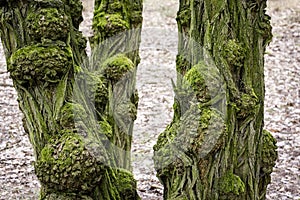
x: 78, y: 113
x: 117, y: 32
x: 215, y: 147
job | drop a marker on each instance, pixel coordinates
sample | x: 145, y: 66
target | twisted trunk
x: 78, y: 113
x: 215, y: 147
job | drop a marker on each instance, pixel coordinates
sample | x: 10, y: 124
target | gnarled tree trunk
x: 78, y: 113
x: 215, y: 147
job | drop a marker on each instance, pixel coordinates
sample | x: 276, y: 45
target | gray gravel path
x: 158, y: 50
x: 282, y: 102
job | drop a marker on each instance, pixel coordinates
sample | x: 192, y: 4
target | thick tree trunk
x: 215, y: 147
x: 78, y: 114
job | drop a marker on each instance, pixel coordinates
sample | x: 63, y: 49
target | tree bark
x: 117, y: 35
x: 78, y: 113
x: 215, y: 147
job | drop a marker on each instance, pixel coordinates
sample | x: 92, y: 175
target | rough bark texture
x: 117, y: 32
x: 215, y: 147
x: 78, y: 113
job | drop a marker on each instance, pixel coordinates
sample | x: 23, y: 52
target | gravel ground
x: 282, y: 102
x: 157, y: 68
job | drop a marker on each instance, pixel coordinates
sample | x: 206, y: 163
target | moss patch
x: 213, y: 128
x: 116, y: 67
x: 201, y: 131
x: 182, y: 64
x: 198, y: 133
x: 231, y: 187
x: 234, y: 53
x: 184, y: 16
x: 79, y: 41
x: 164, y: 152
x: 106, y: 128
x: 246, y: 104
x: 269, y: 153
x: 48, y: 3
x: 108, y: 25
x: 135, y: 13
x: 204, y: 80
x: 115, y: 7
x: 71, y: 114
x: 40, y: 63
x: 66, y: 165
x: 126, y: 185
x: 94, y: 86
x: 48, y: 23
x: 166, y: 137
x: 196, y: 80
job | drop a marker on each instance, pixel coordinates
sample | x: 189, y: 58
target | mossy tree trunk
x: 117, y: 35
x: 77, y: 115
x: 215, y: 147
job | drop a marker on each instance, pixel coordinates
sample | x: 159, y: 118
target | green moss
x: 116, y: 67
x: 48, y: 3
x: 46, y: 154
x: 66, y: 165
x: 269, y: 153
x: 231, y: 187
x: 51, y: 194
x: 198, y: 133
x: 106, y: 128
x: 246, y: 104
x: 71, y: 7
x: 48, y: 23
x: 108, y: 25
x: 202, y: 131
x: 115, y: 7
x: 126, y: 185
x: 205, y: 118
x: 177, y: 111
x: 182, y: 64
x: 79, y: 41
x: 40, y: 63
x: 234, y: 53
x: 164, y: 153
x: 217, y: 6
x: 116, y: 17
x: 94, y: 85
x: 101, y: 96
x: 70, y: 114
x: 166, y: 137
x: 135, y: 99
x: 204, y: 80
x: 184, y: 16
x: 135, y: 13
